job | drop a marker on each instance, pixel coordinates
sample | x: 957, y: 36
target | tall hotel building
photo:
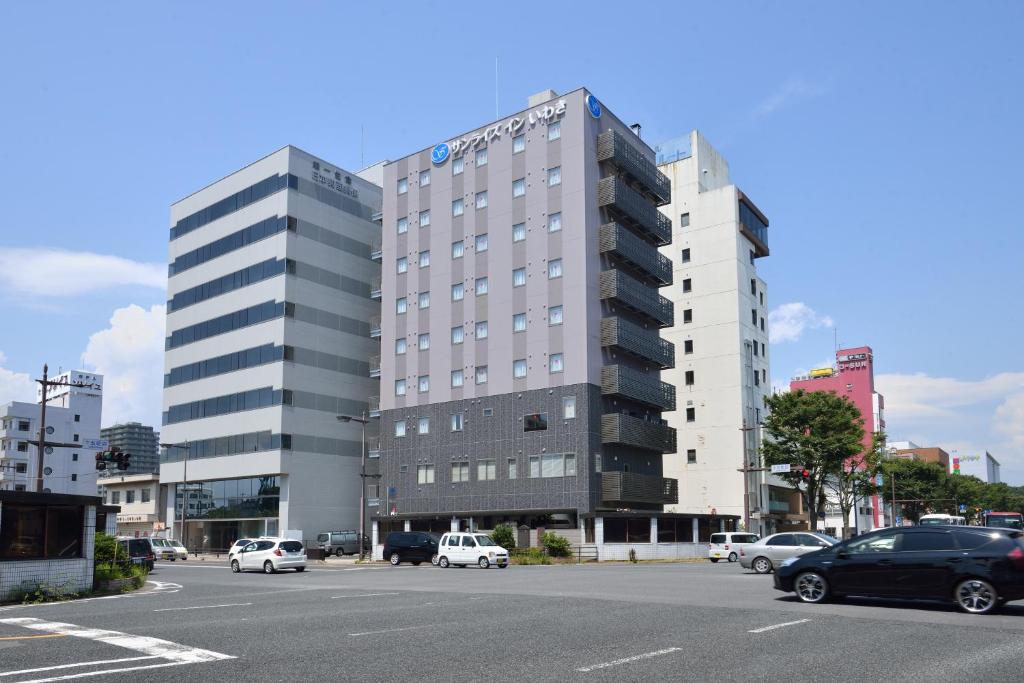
x: 267, y: 342
x: 520, y: 331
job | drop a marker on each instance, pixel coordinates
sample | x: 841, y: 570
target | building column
x: 696, y: 531
x: 455, y: 524
x: 374, y: 534
x: 654, y: 529
x: 599, y: 532
x: 721, y: 525
x: 407, y: 525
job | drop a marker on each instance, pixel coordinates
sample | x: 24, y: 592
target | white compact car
x: 179, y: 550
x: 727, y: 545
x: 463, y: 549
x: 270, y: 555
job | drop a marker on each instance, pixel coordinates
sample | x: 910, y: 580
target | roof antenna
x: 496, y: 114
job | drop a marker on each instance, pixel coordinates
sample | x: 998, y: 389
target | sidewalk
x: 222, y: 558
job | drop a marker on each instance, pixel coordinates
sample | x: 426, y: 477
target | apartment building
x: 138, y: 439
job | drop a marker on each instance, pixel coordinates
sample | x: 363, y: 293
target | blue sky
x: 882, y: 140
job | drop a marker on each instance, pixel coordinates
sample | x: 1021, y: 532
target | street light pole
x: 362, y: 420
x: 187, y: 447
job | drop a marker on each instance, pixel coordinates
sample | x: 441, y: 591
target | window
x: 423, y: 425
x: 753, y: 287
x: 115, y: 497
x: 761, y: 298
x: 458, y: 208
x: 456, y: 422
x: 555, y: 363
x: 424, y: 384
x: 684, y: 220
x: 460, y: 471
x: 424, y: 300
x: 488, y: 412
x: 755, y: 348
x: 481, y: 374
x: 555, y: 315
x: 762, y: 324
x: 569, y: 459
x: 691, y: 456
x: 568, y: 407
x: 402, y: 265
x: 74, y: 477
x: 403, y: 185
x: 74, y: 457
x: 685, y: 258
x: 458, y: 292
x: 519, y: 232
x: 424, y: 474
x: 402, y: 226
x: 688, y: 315
x: 399, y: 387
x: 400, y: 346
x: 481, y: 330
x: 458, y: 166
x: 687, y: 285
x: 75, y: 438
x: 535, y: 422
x: 129, y: 496
x: 21, y: 467
x: 687, y: 346
x: 763, y: 352
x: 555, y: 222
x: 554, y: 176
x: 518, y: 187
x: 757, y: 379
x: 424, y: 341
x: 752, y: 257
x: 519, y: 322
x: 424, y: 218
x: 554, y: 130
x: 486, y: 470
x: 23, y: 446
x: 553, y: 465
x: 691, y: 414
x: 519, y: 368
x: 401, y: 305
x: 519, y: 277
x: 458, y: 334
x: 23, y: 425
x: 78, y: 418
x: 764, y: 375
x: 753, y: 317
x: 518, y: 144
x: 481, y: 243
x: 458, y: 249
x: 399, y: 428
x: 512, y: 468
x: 481, y: 286
x: 689, y: 378
x: 41, y: 531
x: 481, y: 200
x: 424, y: 178
x: 554, y: 268
x: 457, y: 378
x: 481, y: 157
x: 145, y: 495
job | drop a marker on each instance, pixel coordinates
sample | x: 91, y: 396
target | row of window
x: 232, y: 281
x: 232, y: 242
x: 534, y: 422
x: 543, y: 466
x: 229, y: 362
x: 225, y: 405
x: 228, y: 322
x: 232, y: 203
x: 556, y: 364
x: 458, y: 333
x: 481, y: 286
x: 114, y: 497
x: 249, y: 442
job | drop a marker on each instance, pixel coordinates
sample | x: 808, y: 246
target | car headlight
x: 787, y: 562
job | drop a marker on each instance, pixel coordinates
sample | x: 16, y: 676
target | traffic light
x: 125, y: 461
x: 114, y: 458
x: 101, y: 464
x: 805, y: 473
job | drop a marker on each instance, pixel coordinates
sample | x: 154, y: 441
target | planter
x: 118, y: 585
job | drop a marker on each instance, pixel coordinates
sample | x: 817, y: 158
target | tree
x: 505, y: 536
x: 920, y: 486
x: 856, y: 478
x: 816, y: 432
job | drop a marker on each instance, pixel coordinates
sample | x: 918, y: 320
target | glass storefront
x: 222, y: 511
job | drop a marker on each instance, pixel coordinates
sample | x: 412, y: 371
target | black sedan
x: 977, y: 568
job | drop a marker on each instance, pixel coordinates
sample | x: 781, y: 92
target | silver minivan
x: 339, y: 542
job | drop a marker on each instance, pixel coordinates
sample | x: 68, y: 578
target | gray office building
x: 138, y: 439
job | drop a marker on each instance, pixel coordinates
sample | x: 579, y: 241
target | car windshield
x: 159, y: 542
x: 934, y: 521
x: 484, y: 540
x: 826, y: 537
x: 243, y: 541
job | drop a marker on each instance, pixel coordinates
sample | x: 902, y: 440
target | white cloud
x: 54, y: 272
x: 793, y: 90
x: 920, y: 396
x: 15, y: 386
x: 129, y: 354
x: 788, y: 322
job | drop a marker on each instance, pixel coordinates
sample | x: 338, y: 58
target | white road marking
x: 775, y: 626
x: 178, y: 609
x: 627, y: 660
x: 391, y: 630
x: 71, y: 666
x: 84, y: 674
x: 364, y: 595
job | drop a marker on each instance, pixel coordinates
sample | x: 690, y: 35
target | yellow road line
x: 47, y: 635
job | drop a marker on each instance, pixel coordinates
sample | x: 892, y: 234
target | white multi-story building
x: 984, y: 467
x: 72, y: 417
x: 268, y: 341
x: 722, y: 371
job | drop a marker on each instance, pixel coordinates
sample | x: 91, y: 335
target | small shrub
x: 530, y: 556
x: 30, y: 594
x: 557, y: 546
x: 504, y: 536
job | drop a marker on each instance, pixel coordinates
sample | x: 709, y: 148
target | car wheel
x: 433, y: 559
x: 976, y: 596
x: 484, y: 563
x: 762, y: 565
x: 395, y: 560
x: 300, y: 569
x: 713, y: 559
x: 811, y: 587
x: 235, y: 567
x: 733, y: 557
x: 502, y: 566
x: 442, y: 562
x: 268, y: 567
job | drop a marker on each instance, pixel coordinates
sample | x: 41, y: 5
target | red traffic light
x: 805, y: 473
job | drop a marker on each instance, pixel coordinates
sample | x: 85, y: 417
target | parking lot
x: 578, y: 622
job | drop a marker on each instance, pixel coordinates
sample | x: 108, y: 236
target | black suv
x: 411, y: 546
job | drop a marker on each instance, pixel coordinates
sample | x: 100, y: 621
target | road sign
x: 781, y: 469
x: 986, y: 512
x: 392, y: 491
x: 878, y: 479
x: 373, y: 502
x: 96, y: 444
x: 899, y: 521
x: 963, y: 507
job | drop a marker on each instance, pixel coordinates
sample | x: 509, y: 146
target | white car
x: 237, y: 546
x: 163, y: 549
x: 180, y: 552
x: 463, y: 549
x: 727, y: 545
x: 270, y: 555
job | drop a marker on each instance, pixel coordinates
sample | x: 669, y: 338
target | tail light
x: 742, y: 554
x: 150, y: 556
x: 277, y: 551
x: 1016, y: 557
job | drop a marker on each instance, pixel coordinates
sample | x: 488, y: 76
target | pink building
x: 854, y: 378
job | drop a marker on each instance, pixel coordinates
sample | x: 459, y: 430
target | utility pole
x: 363, y: 420
x: 45, y: 383
x: 747, y: 468
x: 187, y: 447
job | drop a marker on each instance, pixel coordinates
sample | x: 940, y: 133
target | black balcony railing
x: 635, y: 295
x: 643, y: 343
x: 629, y: 487
x: 654, y: 266
x: 642, y: 387
x: 634, y: 210
x: 642, y: 171
x: 626, y: 430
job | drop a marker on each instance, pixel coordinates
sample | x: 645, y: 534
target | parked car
x: 410, y: 546
x: 727, y: 545
x: 976, y: 568
x: 139, y: 551
x: 462, y: 549
x: 179, y: 549
x: 163, y: 549
x: 341, y: 542
x: 270, y: 555
x: 767, y: 553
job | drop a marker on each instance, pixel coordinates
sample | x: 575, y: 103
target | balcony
x: 634, y: 210
x: 619, y: 488
x: 375, y: 327
x: 626, y: 430
x: 616, y: 148
x: 377, y: 216
x: 619, y: 242
x: 636, y: 296
x: 753, y: 225
x: 376, y: 250
x: 629, y: 337
x: 375, y: 284
x: 373, y: 403
x: 642, y: 387
x: 375, y: 366
x: 373, y: 448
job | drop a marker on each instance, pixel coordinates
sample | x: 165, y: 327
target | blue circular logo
x: 440, y: 153
x: 594, y: 106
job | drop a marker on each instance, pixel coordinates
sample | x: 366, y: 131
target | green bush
x: 30, y: 594
x: 504, y: 536
x: 106, y: 548
x: 557, y: 546
x: 530, y: 556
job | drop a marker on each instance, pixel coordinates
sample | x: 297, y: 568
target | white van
x: 941, y: 519
x: 462, y: 549
x: 727, y: 545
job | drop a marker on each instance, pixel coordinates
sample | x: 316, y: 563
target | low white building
x: 139, y: 497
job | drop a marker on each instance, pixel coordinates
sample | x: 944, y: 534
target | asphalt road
x: 609, y: 622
